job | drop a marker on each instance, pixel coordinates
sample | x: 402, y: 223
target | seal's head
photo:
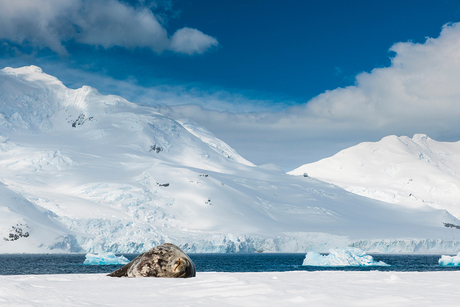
x: 181, y: 267
x: 166, y: 260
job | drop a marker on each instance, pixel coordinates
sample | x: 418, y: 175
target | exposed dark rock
x: 155, y: 148
x: 449, y: 225
x: 17, y: 232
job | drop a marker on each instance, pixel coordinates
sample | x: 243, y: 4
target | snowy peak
x: 34, y: 102
x: 403, y: 170
x: 29, y: 99
x: 32, y: 74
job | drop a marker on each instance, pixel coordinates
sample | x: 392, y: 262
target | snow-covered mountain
x: 84, y: 172
x: 400, y: 170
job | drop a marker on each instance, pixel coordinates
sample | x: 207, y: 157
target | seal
x: 165, y: 260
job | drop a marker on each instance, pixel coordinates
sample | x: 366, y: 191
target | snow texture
x: 410, y: 172
x: 321, y: 288
x: 341, y: 257
x: 213, y: 142
x: 91, y: 173
x: 450, y: 260
x: 104, y: 259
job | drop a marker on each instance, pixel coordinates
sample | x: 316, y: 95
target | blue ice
x: 104, y: 259
x: 450, y: 260
x: 341, y: 257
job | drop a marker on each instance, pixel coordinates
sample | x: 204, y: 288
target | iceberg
x: 341, y: 257
x: 450, y: 260
x: 105, y: 259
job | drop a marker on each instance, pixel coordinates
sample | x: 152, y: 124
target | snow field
x: 325, y: 288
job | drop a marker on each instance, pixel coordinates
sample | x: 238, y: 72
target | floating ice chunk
x: 341, y: 257
x: 450, y: 261
x: 105, y: 259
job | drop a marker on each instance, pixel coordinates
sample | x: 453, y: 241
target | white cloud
x: 106, y: 23
x: 190, y: 41
x: 419, y: 89
x: 110, y: 23
x: 37, y: 22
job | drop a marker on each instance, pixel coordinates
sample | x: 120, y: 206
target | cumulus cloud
x: 190, y: 41
x: 36, y: 22
x: 106, y: 23
x: 421, y: 86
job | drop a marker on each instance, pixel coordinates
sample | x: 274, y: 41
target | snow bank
x: 450, y: 261
x: 104, y: 259
x: 341, y: 257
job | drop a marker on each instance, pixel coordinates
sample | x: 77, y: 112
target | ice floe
x: 104, y: 259
x: 341, y: 257
x: 450, y: 260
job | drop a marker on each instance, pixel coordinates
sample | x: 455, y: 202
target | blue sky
x: 285, y: 76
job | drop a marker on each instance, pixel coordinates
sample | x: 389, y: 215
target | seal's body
x: 165, y: 260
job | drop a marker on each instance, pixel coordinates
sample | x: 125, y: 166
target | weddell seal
x: 165, y: 260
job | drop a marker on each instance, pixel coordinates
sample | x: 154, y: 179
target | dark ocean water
x: 20, y: 264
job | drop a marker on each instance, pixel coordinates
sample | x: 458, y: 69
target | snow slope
x: 409, y: 172
x: 213, y: 142
x: 107, y: 175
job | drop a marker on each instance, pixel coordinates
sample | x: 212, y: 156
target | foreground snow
x: 236, y: 289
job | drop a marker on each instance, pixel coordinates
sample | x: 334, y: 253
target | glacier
x: 341, y: 257
x: 104, y: 259
x: 83, y: 172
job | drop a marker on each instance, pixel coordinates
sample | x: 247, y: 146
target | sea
x: 30, y: 264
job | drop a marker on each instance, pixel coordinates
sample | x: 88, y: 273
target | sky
x: 283, y: 82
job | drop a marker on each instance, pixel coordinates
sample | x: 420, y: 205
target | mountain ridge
x: 400, y: 170
x: 114, y: 176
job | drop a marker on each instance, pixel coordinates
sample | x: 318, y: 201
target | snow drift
x: 85, y: 172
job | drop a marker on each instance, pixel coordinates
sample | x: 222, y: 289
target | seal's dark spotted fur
x: 165, y: 260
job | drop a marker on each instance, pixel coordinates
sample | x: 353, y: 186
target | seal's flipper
x: 123, y: 272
